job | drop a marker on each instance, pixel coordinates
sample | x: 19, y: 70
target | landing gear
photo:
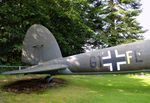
x: 48, y: 79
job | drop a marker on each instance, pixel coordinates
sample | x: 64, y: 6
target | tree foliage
x: 73, y: 23
x: 114, y: 21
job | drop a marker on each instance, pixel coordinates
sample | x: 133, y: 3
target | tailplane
x: 39, y: 45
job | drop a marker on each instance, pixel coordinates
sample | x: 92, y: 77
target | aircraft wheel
x: 48, y: 79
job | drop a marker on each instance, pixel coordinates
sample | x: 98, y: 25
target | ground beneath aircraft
x: 31, y: 85
x: 75, y: 89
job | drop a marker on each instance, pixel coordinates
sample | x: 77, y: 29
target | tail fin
x: 39, y: 45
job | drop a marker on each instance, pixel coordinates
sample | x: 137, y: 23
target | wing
x: 38, y: 69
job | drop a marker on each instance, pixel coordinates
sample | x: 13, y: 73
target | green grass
x: 85, y: 89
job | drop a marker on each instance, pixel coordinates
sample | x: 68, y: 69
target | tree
x: 114, y: 21
x: 62, y: 18
x: 73, y: 23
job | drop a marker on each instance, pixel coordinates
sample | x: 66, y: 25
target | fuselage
x: 123, y: 58
x: 128, y: 57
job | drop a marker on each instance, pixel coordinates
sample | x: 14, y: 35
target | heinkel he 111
x: 40, y: 49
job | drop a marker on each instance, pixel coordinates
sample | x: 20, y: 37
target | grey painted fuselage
x: 128, y: 57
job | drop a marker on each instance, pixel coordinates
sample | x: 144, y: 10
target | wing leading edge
x: 38, y: 69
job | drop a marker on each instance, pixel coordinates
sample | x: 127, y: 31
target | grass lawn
x: 84, y: 89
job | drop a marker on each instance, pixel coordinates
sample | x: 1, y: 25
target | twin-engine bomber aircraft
x: 40, y: 48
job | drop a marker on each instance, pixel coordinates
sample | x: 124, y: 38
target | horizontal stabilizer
x: 38, y: 69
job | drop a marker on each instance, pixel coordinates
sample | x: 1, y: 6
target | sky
x: 144, y: 17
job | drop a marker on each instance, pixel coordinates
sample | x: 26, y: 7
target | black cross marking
x: 113, y: 60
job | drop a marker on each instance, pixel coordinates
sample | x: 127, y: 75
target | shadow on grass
x: 129, y: 83
x: 122, y: 83
x: 33, y: 85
